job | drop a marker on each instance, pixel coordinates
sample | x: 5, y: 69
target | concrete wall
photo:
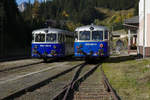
x: 147, y: 51
x: 141, y: 23
x: 141, y: 27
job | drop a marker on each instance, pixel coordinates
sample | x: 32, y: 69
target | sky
x: 20, y: 1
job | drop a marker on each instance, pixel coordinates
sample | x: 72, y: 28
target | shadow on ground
x: 114, y: 59
x: 118, y: 59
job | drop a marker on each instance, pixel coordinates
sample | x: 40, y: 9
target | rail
x: 18, y: 67
x: 108, y: 87
x: 69, y: 89
x: 39, y: 84
x: 67, y: 93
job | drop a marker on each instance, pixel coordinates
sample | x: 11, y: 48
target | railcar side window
x: 106, y: 34
x: 60, y: 38
x: 51, y: 38
x: 63, y: 38
x: 76, y: 35
x: 97, y: 35
x: 84, y: 35
x: 39, y: 37
x: 67, y: 39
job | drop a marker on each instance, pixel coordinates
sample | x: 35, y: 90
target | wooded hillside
x: 71, y: 13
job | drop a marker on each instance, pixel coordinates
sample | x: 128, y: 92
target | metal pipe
x: 144, y: 33
x: 134, y: 26
x: 129, y: 39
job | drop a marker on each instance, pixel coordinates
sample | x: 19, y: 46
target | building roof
x: 133, y: 20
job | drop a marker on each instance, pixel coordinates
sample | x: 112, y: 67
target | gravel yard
x: 25, y: 77
x: 14, y: 64
x: 92, y: 88
x: 50, y: 90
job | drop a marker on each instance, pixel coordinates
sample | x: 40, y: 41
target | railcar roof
x: 51, y: 30
x: 88, y: 28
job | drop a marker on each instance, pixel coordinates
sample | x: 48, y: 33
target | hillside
x: 114, y: 18
x: 68, y: 14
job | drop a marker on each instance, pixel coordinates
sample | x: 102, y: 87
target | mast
x: 144, y: 32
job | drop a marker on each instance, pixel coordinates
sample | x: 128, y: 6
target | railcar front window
x: 97, y: 35
x: 84, y: 35
x: 106, y: 34
x: 40, y: 38
x: 51, y: 38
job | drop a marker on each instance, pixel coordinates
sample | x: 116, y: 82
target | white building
x: 132, y: 25
x: 144, y: 27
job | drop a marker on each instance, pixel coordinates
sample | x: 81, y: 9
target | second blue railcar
x: 91, y: 41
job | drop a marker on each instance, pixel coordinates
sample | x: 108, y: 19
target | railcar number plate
x: 90, y: 44
x: 45, y: 45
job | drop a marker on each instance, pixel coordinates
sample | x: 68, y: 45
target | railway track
x: 17, y: 70
x: 82, y: 88
x: 42, y: 83
x: 15, y: 65
x: 18, y: 65
x: 74, y: 83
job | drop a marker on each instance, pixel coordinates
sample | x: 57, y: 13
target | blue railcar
x: 52, y: 43
x: 91, y: 41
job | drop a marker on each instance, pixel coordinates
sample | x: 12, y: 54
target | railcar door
x: 61, y: 40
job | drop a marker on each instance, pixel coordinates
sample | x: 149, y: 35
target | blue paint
x: 94, y: 47
x: 47, y: 48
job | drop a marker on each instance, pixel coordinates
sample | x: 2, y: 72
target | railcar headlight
x: 80, y: 46
x: 34, y: 51
x: 53, y: 52
x: 35, y: 47
x: 101, y: 50
x: 54, y: 47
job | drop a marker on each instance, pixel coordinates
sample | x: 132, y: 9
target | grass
x: 129, y: 77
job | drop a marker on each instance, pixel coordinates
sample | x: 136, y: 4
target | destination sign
x: 90, y: 44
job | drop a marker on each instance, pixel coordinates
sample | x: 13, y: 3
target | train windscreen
x: 106, y: 34
x: 39, y: 37
x: 84, y: 35
x: 51, y: 38
x: 97, y: 35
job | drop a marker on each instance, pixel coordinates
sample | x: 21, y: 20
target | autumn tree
x: 35, y: 9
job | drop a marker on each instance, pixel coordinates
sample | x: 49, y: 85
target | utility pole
x: 144, y: 32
